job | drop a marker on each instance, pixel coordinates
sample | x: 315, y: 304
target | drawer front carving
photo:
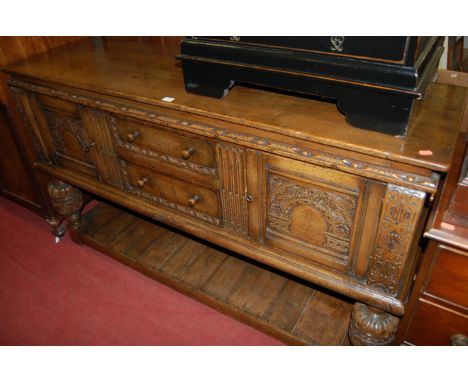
x: 188, y: 198
x: 188, y: 152
x: 313, y: 215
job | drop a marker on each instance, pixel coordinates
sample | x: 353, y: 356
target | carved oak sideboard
x: 276, y: 178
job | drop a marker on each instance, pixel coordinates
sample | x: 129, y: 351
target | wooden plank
x: 226, y: 277
x: 162, y: 250
x: 131, y: 234
x: 113, y: 228
x: 203, y: 268
x: 324, y: 320
x: 287, y: 309
x: 141, y: 245
x: 98, y: 217
x: 280, y: 306
x: 183, y: 258
x: 257, y: 290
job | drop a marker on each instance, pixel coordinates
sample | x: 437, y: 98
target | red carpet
x: 66, y: 294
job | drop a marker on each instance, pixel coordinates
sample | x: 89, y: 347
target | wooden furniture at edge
x: 437, y: 311
x: 18, y: 181
x: 279, y: 179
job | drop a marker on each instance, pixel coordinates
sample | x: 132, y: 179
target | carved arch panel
x: 312, y: 214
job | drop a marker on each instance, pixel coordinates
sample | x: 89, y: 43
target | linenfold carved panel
x: 330, y: 214
x: 232, y: 164
x: 400, y: 214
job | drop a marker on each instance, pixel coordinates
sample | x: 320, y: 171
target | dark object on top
x: 374, y: 79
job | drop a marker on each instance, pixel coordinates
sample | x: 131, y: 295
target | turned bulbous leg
x: 371, y: 326
x: 67, y: 202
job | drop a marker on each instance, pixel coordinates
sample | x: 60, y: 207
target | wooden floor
x: 275, y: 303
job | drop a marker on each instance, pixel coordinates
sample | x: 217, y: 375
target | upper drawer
x: 182, y: 150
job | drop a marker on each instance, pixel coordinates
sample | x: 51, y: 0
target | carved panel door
x: 361, y: 227
x: 58, y: 133
x: 312, y: 211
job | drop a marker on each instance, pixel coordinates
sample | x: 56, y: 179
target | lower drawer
x: 166, y: 190
x: 434, y: 325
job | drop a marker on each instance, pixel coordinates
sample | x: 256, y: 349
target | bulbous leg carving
x: 67, y: 202
x: 371, y: 326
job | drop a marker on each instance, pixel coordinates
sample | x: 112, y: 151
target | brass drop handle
x: 142, y: 181
x: 87, y: 147
x: 131, y: 137
x: 459, y: 340
x: 193, y: 201
x: 187, y: 153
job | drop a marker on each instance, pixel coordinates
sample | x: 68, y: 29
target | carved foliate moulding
x: 358, y: 167
x: 401, y: 210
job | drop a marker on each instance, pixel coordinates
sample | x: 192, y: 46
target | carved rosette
x: 370, y: 326
x: 66, y: 201
x: 401, y: 210
x: 336, y: 209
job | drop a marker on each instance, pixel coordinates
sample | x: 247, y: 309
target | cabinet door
x: 361, y: 227
x: 312, y: 211
x: 57, y: 131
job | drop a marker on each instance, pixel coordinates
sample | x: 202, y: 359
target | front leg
x: 371, y: 326
x: 67, y: 202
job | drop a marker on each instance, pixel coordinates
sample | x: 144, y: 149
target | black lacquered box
x: 374, y: 80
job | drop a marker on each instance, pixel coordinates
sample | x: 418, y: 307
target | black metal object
x: 374, y: 79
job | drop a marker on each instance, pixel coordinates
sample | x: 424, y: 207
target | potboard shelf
x: 287, y: 308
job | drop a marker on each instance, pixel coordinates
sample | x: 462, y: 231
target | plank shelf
x: 280, y: 305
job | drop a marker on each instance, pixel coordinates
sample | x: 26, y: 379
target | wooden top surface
x: 147, y: 72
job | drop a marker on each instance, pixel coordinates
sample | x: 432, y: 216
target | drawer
x: 434, y: 325
x: 166, y: 190
x: 183, y: 150
x: 449, y: 278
